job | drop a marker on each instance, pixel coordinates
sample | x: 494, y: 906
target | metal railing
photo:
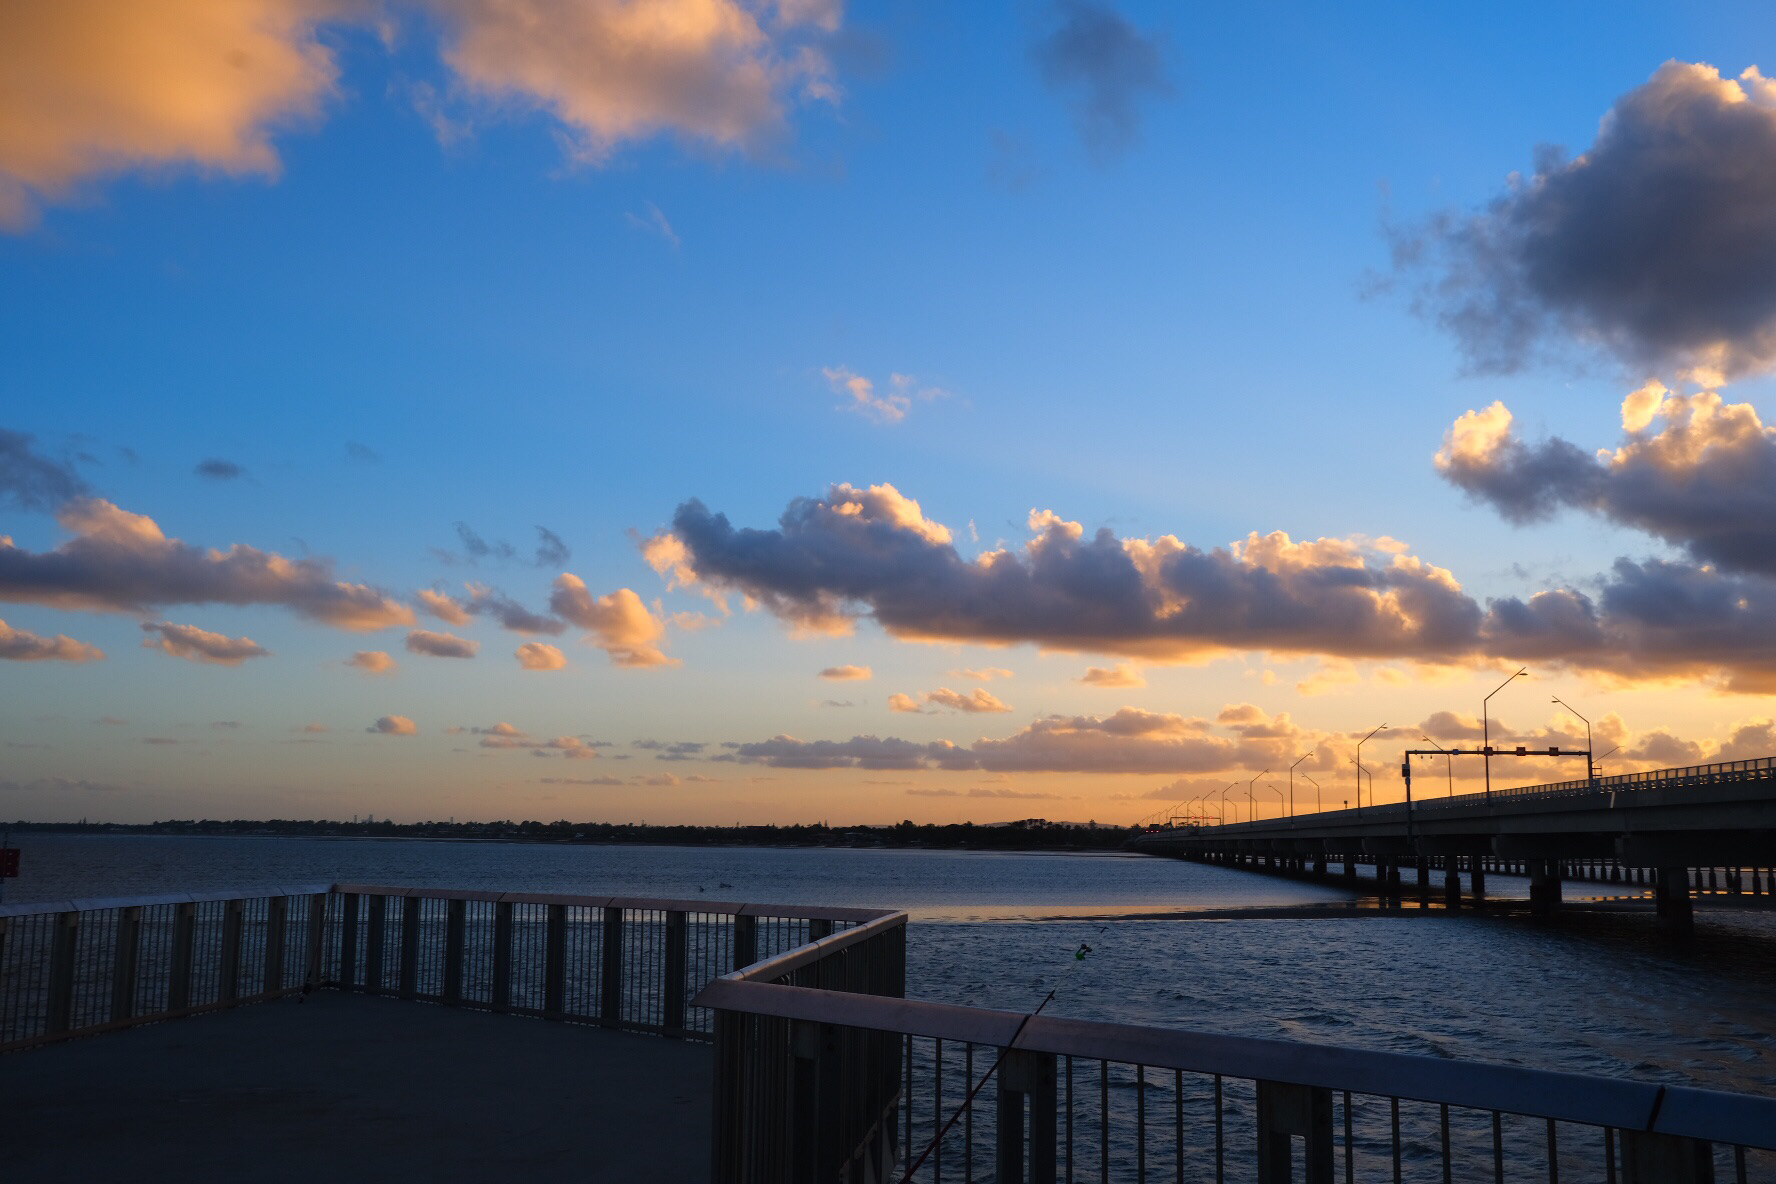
x: 70, y: 968
x: 1076, y: 1100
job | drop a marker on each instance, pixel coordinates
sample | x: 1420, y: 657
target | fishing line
x: 1079, y: 956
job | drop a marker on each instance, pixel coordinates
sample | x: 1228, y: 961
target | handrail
x: 1683, y: 1111
x: 30, y: 908
x: 789, y: 961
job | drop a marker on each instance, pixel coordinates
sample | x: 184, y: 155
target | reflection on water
x: 1589, y: 993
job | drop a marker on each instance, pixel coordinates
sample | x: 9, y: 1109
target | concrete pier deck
x: 350, y: 1088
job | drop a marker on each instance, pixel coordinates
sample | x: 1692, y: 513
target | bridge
x: 1672, y: 829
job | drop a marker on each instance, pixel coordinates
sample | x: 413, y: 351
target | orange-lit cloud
x: 889, y: 407
x: 440, y: 645
x: 985, y: 674
x: 1120, y: 675
x: 393, y: 725
x: 90, y: 88
x: 847, y: 673
x: 19, y: 645
x: 444, y: 607
x: 122, y: 562
x: 200, y: 645
x: 619, y: 623
x: 537, y: 655
x: 977, y: 701
x: 371, y: 662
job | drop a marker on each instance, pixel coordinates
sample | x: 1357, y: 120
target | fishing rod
x: 1079, y: 956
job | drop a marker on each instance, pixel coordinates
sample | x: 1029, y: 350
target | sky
x: 721, y: 411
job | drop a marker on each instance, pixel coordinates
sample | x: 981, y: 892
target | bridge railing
x: 70, y: 968
x: 1071, y: 1099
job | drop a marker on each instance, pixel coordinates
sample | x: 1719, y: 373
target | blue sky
x: 430, y: 301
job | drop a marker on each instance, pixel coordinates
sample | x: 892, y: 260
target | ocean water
x: 1588, y: 993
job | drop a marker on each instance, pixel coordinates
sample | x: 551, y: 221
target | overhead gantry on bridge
x: 1640, y: 827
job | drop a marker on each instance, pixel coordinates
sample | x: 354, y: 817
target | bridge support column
x: 1544, y: 887
x: 1350, y: 869
x: 1424, y: 881
x: 1320, y: 867
x: 1477, y: 873
x: 1671, y: 894
x: 1452, y: 882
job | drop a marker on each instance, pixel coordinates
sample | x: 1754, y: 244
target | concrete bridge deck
x: 350, y: 1088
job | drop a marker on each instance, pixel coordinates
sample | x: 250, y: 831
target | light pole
x: 1271, y: 786
x: 1249, y: 785
x: 1448, y: 760
x: 1359, y: 763
x: 1486, y: 729
x: 1298, y: 760
x: 1360, y: 771
x: 1230, y: 785
x: 1590, y: 769
x: 1316, y: 786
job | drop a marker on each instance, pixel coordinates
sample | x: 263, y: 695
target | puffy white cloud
x: 122, y: 562
x: 976, y: 702
x: 200, y: 645
x: 537, y: 655
x: 440, y: 645
x: 20, y: 645
x: 393, y: 725
x: 444, y: 607
x: 619, y: 623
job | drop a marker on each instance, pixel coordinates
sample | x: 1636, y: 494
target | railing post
x: 409, y: 969
x: 317, y: 937
x: 1284, y: 1111
x: 815, y: 1097
x: 502, y: 955
x: 348, y: 941
x: 277, y: 921
x: 673, y: 1009
x: 1032, y: 1076
x: 745, y: 941
x: 179, y: 969
x: 610, y: 988
x: 1649, y: 1158
x: 234, y: 917
x: 555, y: 961
x: 59, y: 1012
x: 125, y: 957
x: 455, y: 921
x: 375, y: 936
x: 819, y: 927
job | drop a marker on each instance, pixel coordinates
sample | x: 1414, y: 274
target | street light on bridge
x: 1358, y: 762
x: 1298, y: 760
x: 1486, y: 729
x: 1590, y: 767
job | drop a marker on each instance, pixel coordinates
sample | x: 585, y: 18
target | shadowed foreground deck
x: 350, y: 1088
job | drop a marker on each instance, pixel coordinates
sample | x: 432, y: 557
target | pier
x: 1673, y: 832
x: 363, y: 1032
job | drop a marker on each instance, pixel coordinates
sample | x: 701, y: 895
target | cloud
x: 372, y: 662
x: 847, y: 673
x: 900, y: 701
x: 620, y: 623
x: 536, y: 655
x: 985, y: 674
x: 440, y: 645
x: 112, y: 85
x: 1120, y: 675
x: 393, y: 725
x: 216, y: 469
x: 550, y: 551
x: 976, y: 702
x: 122, y: 562
x: 1694, y: 471
x: 1107, y: 67
x: 654, y: 223
x: 19, y: 645
x: 361, y: 453
x: 883, y: 408
x: 716, y: 71
x: 1653, y: 245
x: 443, y: 607
x: 314, y: 729
x: 873, y: 552
x: 673, y: 750
x: 200, y: 645
x: 28, y: 479
x: 509, y: 613
x: 609, y: 781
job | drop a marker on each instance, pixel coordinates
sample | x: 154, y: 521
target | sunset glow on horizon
x: 705, y: 411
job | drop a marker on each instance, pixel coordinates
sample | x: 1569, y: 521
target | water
x: 1590, y: 994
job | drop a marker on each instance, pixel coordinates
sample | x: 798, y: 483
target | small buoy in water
x: 1081, y: 952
